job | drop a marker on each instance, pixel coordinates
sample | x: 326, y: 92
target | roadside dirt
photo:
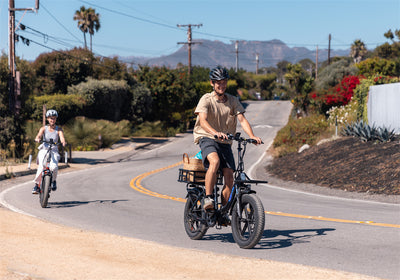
x: 32, y: 249
x: 346, y: 164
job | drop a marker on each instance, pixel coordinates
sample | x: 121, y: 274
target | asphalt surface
x: 311, y: 229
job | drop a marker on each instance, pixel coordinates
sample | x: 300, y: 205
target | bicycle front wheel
x: 45, y: 191
x: 248, y: 226
x: 194, y: 226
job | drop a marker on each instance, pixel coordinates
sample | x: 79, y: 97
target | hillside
x: 210, y: 53
x: 346, y: 164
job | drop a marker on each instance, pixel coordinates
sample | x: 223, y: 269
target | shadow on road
x: 66, y: 204
x: 276, y: 239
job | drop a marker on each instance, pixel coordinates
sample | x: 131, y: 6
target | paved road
x: 124, y: 198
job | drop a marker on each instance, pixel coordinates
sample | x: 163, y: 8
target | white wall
x: 384, y: 106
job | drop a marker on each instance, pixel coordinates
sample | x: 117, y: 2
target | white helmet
x: 51, y: 113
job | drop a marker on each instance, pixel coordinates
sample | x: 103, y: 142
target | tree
x: 282, y: 69
x: 81, y: 16
x: 358, y: 51
x: 389, y: 35
x: 57, y: 70
x: 301, y: 84
x: 88, y: 22
x: 94, y: 23
x: 389, y: 51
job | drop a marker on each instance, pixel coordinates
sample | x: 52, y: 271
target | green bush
x: 141, y: 104
x: 373, y: 66
x: 330, y: 75
x: 154, y: 129
x: 67, y: 106
x: 88, y: 134
x: 299, y: 132
x: 105, y: 99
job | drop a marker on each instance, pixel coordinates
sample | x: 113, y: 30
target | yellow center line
x: 135, y: 184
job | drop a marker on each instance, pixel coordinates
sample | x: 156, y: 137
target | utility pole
x: 316, y: 64
x: 329, y: 50
x: 189, y: 43
x: 11, y: 55
x: 237, y: 54
x: 14, y: 76
x: 257, y: 60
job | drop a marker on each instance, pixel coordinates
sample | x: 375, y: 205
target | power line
x: 66, y: 29
x: 131, y: 16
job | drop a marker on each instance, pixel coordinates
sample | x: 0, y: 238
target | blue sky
x: 149, y: 27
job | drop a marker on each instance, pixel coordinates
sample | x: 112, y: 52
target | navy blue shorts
x: 224, y: 151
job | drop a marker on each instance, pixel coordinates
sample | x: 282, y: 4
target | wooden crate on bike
x: 193, y: 170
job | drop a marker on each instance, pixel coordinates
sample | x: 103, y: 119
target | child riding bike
x: 51, y: 131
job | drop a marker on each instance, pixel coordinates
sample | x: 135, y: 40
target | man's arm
x: 247, y: 128
x: 207, y: 127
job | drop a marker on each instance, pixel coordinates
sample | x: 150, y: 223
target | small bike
x: 47, y: 175
x: 244, y: 206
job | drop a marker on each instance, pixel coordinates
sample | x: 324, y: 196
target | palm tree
x: 358, y: 51
x: 94, y: 23
x: 83, y: 23
x: 88, y: 22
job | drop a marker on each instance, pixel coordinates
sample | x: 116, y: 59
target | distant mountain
x: 210, y: 53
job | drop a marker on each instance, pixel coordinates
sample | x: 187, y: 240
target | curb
x: 25, y: 172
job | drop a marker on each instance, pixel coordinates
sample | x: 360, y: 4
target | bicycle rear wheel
x: 248, y: 227
x: 194, y: 226
x: 45, y: 191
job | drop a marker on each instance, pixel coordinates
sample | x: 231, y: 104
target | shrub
x: 343, y: 114
x: 88, y: 134
x: 105, y: 99
x: 67, y: 106
x: 335, y: 72
x: 154, y: 129
x: 339, y: 95
x: 372, y: 66
x: 299, y: 132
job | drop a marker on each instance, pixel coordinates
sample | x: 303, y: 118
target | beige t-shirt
x: 222, y: 116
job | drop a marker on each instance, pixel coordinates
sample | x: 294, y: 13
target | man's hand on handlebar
x: 257, y: 140
x: 221, y: 136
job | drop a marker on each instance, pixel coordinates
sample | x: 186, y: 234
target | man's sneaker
x: 54, y: 186
x: 36, y: 189
x: 208, y: 203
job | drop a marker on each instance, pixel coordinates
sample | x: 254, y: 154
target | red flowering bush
x: 339, y: 95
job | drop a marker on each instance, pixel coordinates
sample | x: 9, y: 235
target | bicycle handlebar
x: 51, y: 142
x: 238, y: 138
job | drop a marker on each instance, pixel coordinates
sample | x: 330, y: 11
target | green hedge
x: 67, y: 106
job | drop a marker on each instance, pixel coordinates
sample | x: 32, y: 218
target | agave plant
x: 368, y: 133
x: 384, y: 134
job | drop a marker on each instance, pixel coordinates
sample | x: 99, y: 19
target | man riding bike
x: 217, y: 114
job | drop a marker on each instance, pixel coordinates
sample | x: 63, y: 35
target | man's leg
x: 226, y: 191
x: 211, y: 174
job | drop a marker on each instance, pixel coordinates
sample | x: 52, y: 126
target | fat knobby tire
x: 195, y: 229
x: 248, y: 229
x: 45, y: 191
